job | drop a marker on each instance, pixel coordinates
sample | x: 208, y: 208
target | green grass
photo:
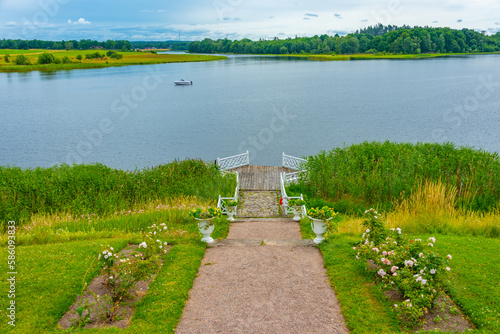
x: 380, y: 174
x: 475, y: 276
x: 161, y: 309
x: 51, y: 276
x: 129, y: 58
x: 99, y: 190
x: 363, y: 305
x: 180, y: 224
x: 49, y: 279
x: 473, y: 283
x: 385, y: 56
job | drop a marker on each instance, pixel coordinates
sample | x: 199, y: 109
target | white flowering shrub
x: 122, y: 272
x: 410, y: 266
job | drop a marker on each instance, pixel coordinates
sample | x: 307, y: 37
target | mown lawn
x: 52, y: 268
x: 50, y: 277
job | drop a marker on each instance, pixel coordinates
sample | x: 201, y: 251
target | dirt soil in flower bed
x: 439, y: 317
x: 126, y: 306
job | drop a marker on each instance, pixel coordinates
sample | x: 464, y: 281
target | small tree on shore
x: 22, y: 60
x: 46, y: 58
x: 6, y: 58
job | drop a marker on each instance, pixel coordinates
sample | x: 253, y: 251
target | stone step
x: 258, y: 204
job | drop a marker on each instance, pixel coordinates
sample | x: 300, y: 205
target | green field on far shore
x: 365, y: 56
x: 129, y: 58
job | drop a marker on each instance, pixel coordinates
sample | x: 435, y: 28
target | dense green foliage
x: 404, y: 40
x: 22, y: 60
x: 46, y: 58
x: 172, y: 45
x: 84, y: 44
x: 87, y: 44
x: 378, y: 174
x: 97, y: 189
x: 94, y: 55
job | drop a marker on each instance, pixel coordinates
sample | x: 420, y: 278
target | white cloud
x: 81, y: 20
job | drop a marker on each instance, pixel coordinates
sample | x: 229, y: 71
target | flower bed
x: 408, y: 266
x: 124, y: 280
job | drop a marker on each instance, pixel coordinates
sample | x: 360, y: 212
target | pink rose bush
x: 410, y: 266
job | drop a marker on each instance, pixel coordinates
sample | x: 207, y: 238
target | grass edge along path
x: 162, y: 307
x: 473, y: 284
x: 363, y: 305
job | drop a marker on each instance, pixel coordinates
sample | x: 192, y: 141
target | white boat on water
x: 183, y: 82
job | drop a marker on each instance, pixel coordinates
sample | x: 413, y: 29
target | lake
x: 135, y: 117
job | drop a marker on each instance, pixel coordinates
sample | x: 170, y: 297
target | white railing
x: 234, y: 161
x: 284, y: 206
x: 221, y: 202
x: 290, y: 178
x: 293, y: 162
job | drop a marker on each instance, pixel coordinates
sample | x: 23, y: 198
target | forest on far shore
x: 373, y: 39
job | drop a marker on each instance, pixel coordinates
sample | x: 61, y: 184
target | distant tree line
x: 84, y: 44
x: 374, y: 39
x: 173, y: 45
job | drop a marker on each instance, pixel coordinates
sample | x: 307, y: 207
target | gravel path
x: 262, y: 289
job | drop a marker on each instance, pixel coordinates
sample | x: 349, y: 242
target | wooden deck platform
x: 260, y: 178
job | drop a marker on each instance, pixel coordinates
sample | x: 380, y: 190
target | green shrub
x: 6, y: 58
x: 79, y: 57
x: 116, y: 55
x: 410, y: 266
x: 94, y: 55
x: 46, y: 58
x: 22, y: 60
x: 66, y: 60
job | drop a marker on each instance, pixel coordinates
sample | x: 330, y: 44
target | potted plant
x: 320, y: 218
x: 205, y: 218
x: 296, y: 205
x: 231, y: 207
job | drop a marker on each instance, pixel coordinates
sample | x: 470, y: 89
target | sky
x: 187, y: 20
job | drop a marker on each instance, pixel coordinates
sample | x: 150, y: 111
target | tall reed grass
x: 375, y: 174
x: 99, y: 190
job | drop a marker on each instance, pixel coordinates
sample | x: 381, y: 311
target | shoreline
x: 129, y: 59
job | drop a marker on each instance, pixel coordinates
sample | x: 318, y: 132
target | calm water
x: 135, y: 117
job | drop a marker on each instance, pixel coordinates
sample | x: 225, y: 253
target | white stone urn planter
x: 231, y: 212
x: 206, y: 228
x: 319, y: 228
x: 297, y: 212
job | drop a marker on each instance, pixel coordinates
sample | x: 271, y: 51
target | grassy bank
x: 94, y: 191
x: 383, y: 174
x: 365, y: 56
x: 129, y: 58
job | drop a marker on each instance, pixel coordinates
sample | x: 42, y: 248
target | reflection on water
x: 134, y: 116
